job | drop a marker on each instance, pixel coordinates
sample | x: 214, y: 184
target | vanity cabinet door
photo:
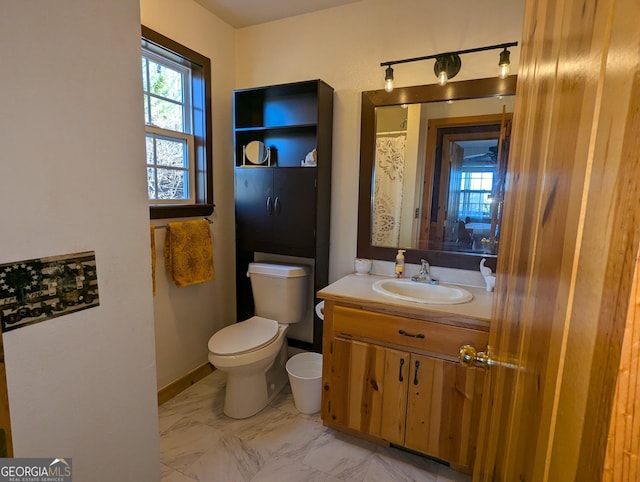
x: 369, y: 388
x: 443, y: 410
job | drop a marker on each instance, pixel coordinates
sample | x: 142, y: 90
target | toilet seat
x: 244, y: 337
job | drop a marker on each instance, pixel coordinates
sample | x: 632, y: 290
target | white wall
x: 71, y: 131
x: 345, y: 45
x: 185, y: 318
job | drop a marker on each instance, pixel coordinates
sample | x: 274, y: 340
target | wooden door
x: 6, y: 443
x: 369, y: 388
x: 568, y: 245
x: 498, y: 181
x: 394, y: 397
x: 442, y: 410
x: 623, y: 451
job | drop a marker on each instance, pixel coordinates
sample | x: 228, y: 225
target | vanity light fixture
x: 448, y: 64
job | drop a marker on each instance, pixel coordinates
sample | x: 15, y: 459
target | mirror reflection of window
x: 468, y: 171
x: 477, y: 178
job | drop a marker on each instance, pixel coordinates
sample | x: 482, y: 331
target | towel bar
x: 162, y: 226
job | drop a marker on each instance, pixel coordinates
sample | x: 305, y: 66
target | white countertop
x: 356, y: 289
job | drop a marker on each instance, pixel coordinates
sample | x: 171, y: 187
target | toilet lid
x: 245, y: 336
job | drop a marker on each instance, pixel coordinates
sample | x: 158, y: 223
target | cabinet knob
x: 469, y: 357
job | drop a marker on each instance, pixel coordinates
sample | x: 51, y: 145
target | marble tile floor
x: 279, y: 444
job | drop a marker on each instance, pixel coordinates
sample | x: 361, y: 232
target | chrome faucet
x: 424, y: 275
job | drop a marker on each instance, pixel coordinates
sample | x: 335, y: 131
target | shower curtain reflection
x: 388, y: 188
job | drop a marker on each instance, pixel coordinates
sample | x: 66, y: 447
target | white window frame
x: 169, y: 134
x: 473, y: 170
x: 190, y: 169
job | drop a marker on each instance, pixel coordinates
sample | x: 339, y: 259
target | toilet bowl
x: 253, y: 353
x: 247, y: 352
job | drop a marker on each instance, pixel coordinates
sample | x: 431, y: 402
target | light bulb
x: 446, y: 67
x: 504, y: 64
x: 388, y: 85
x: 443, y: 77
x: 388, y: 79
x: 504, y: 71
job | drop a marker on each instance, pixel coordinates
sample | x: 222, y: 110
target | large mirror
x: 432, y: 165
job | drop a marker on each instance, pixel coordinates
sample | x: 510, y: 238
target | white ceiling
x: 243, y: 13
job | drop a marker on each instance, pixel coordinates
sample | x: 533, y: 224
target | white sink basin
x: 416, y: 292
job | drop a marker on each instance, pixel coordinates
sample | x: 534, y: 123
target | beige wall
x: 341, y: 46
x: 185, y: 318
x: 345, y: 45
x: 71, y: 129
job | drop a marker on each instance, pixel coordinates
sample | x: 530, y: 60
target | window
x: 177, y: 112
x: 475, y: 188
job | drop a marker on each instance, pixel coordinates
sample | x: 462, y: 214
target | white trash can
x: 305, y: 377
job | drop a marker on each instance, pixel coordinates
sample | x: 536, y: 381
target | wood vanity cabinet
x: 396, y: 379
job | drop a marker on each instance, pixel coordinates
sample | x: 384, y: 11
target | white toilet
x: 253, y: 352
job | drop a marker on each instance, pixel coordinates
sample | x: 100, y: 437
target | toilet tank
x: 280, y: 291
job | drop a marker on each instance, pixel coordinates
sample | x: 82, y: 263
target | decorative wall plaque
x: 35, y: 290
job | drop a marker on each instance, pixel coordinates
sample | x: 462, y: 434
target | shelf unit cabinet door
x: 369, y: 389
x: 443, y: 410
x: 254, y: 205
x: 295, y: 209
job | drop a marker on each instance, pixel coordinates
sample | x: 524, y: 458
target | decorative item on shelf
x: 362, y: 266
x: 256, y: 153
x: 311, y: 160
x: 489, y: 278
x: 448, y: 64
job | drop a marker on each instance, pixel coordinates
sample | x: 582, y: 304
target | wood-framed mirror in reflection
x: 432, y: 164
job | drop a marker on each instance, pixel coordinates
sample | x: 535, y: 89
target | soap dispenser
x: 399, y: 269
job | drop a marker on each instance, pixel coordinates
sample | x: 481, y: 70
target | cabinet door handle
x: 415, y: 374
x: 269, y: 206
x: 277, y: 206
x: 411, y: 335
x: 400, y: 374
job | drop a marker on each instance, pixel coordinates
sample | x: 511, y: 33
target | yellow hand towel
x: 153, y: 258
x: 188, y: 252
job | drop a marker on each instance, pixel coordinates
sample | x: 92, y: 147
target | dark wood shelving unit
x: 283, y: 208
